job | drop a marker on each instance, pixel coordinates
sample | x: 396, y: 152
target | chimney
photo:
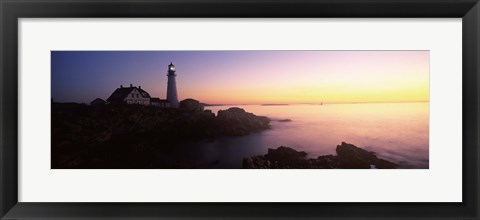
x: 139, y: 87
x: 131, y: 86
x: 121, y: 86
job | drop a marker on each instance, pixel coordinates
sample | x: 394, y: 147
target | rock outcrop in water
x: 191, y: 105
x: 348, y: 157
x: 236, y: 121
x: 126, y: 136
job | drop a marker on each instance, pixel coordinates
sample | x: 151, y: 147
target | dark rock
x: 191, y: 105
x: 285, y: 120
x: 127, y: 136
x: 348, y: 157
x: 353, y: 157
x: 285, y: 153
x: 236, y: 121
x: 257, y: 162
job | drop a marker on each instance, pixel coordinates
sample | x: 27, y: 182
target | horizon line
x: 315, y: 103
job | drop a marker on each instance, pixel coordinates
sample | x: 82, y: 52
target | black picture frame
x: 12, y: 10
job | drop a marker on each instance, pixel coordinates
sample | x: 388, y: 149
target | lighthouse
x: 172, y: 96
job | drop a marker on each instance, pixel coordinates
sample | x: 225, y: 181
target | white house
x: 129, y: 95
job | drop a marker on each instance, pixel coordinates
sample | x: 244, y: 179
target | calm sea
x: 398, y: 132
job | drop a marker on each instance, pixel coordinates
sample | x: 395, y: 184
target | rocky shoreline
x: 348, y: 156
x: 133, y: 137
x: 127, y: 136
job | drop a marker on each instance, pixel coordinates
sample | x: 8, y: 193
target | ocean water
x: 398, y: 132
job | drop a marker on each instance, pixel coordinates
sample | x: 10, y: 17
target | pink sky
x: 249, y: 77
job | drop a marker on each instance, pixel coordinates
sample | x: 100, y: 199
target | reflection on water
x: 395, y: 131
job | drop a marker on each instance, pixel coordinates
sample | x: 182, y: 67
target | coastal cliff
x: 348, y: 156
x: 126, y: 136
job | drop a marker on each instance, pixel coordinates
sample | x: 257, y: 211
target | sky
x: 246, y: 77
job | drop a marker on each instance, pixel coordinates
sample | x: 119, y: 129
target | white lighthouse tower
x: 172, y: 96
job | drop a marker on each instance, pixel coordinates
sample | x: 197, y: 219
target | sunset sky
x: 246, y: 77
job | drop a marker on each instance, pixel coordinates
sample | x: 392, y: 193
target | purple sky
x: 250, y: 77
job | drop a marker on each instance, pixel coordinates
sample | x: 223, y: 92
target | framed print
x: 226, y: 109
x: 209, y: 130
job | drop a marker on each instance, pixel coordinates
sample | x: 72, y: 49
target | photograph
x: 318, y: 109
x: 240, y: 109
